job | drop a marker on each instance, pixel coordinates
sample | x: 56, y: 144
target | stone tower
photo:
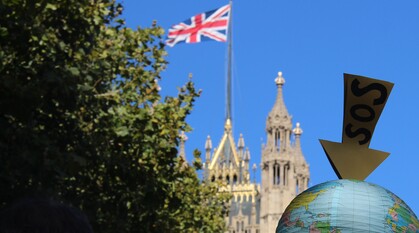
x: 285, y: 172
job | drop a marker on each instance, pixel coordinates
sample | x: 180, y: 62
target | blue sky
x: 313, y: 43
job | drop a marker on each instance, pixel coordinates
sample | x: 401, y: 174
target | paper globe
x: 348, y: 206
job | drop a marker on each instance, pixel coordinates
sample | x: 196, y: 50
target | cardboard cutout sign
x: 364, y: 101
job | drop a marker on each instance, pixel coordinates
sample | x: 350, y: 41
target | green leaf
x: 74, y: 71
x: 122, y: 131
x: 3, y: 31
x: 51, y: 6
x: 82, y: 87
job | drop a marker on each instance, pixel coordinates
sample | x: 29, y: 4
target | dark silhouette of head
x: 43, y: 216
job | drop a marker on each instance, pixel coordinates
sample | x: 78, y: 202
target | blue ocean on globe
x: 348, y: 206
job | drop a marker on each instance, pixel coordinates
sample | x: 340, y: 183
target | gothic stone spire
x: 279, y: 113
x: 278, y: 123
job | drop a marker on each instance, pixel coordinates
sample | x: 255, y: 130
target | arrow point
x: 328, y: 147
x: 350, y: 161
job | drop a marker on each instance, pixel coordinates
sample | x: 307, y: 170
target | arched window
x: 212, y: 178
x: 285, y: 176
x: 276, y: 174
x: 296, y: 187
x: 234, y: 179
x: 277, y: 138
x: 228, y: 179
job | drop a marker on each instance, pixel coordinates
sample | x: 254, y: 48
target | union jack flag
x: 211, y: 25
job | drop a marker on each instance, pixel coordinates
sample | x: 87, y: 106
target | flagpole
x: 228, y: 88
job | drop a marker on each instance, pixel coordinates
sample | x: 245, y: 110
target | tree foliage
x: 82, y: 119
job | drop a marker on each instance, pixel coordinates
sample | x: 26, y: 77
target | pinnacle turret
x: 182, y: 154
x: 302, y: 168
x: 300, y: 160
x: 228, y: 126
x: 240, y: 143
x: 208, y: 143
x: 208, y: 147
x: 278, y: 123
x: 279, y: 113
x: 246, y: 156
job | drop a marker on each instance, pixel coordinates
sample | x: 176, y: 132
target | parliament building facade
x: 257, y: 208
